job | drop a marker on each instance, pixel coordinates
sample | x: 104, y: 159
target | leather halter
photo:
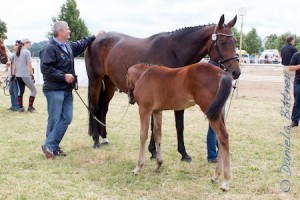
x: 221, y: 61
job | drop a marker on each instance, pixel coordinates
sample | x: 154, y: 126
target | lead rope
x: 234, y: 87
x: 75, y: 85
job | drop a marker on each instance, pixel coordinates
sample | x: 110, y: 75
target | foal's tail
x: 215, y: 108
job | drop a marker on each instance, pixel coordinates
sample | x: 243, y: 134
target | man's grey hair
x: 59, y: 25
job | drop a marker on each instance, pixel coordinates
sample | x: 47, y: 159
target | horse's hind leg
x: 224, y: 157
x: 94, y: 95
x: 108, y: 93
x: 144, y: 120
x: 179, y: 119
x: 157, y: 137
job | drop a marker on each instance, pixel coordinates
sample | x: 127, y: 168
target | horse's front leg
x: 144, y: 125
x: 224, y: 157
x: 157, y: 117
x: 151, y: 146
x: 179, y: 120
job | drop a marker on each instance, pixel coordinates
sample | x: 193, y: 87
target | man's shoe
x: 21, y: 109
x: 215, y: 160
x: 294, y: 124
x: 49, y: 154
x: 60, y: 153
x: 31, y: 109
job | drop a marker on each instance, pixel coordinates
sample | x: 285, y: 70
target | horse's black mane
x: 183, y: 31
x: 189, y: 29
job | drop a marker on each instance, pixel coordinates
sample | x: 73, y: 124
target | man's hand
x: 69, y: 78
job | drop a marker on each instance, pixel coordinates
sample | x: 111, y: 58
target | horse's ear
x: 221, y: 21
x: 232, y: 22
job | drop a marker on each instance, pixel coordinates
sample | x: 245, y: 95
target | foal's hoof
x: 136, y: 171
x: 225, y: 187
x: 214, y: 181
x: 187, y: 159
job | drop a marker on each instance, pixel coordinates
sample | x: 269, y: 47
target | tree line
x: 252, y: 43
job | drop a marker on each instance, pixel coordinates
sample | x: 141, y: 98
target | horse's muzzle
x: 236, y: 75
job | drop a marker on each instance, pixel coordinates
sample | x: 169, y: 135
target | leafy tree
x: 3, y: 29
x: 71, y: 14
x: 252, y: 42
x: 271, y: 42
x: 297, y: 43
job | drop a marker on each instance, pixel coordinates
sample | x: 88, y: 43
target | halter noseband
x: 221, y: 61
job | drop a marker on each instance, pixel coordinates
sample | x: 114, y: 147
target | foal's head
x: 222, y: 50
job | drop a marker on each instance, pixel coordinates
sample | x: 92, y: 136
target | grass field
x: 257, y: 153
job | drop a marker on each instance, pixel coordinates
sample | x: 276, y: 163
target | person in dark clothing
x: 295, y: 66
x: 288, y: 50
x: 57, y: 67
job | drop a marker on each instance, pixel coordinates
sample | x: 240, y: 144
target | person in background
x: 13, y: 87
x: 288, y: 50
x: 23, y: 72
x: 294, y: 66
x: 57, y: 67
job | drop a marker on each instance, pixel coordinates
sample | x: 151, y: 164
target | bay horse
x: 110, y: 55
x: 157, y: 88
x: 3, y: 54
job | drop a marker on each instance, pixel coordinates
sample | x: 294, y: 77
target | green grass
x: 257, y: 153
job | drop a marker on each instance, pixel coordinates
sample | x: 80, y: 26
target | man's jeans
x: 60, y: 114
x: 212, y: 144
x: 296, y: 108
x: 13, y: 91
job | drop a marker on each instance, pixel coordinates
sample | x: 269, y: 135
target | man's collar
x: 58, y: 42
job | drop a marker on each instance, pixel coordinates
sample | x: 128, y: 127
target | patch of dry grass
x: 257, y: 153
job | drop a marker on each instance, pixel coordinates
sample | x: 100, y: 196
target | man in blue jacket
x: 57, y: 67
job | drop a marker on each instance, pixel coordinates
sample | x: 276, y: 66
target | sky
x: 143, y: 18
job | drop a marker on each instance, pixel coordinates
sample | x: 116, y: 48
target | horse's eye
x: 222, y: 42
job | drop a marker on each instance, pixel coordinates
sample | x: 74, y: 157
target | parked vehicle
x: 270, y: 56
x: 245, y: 56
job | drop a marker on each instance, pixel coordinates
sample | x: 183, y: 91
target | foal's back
x: 161, y: 88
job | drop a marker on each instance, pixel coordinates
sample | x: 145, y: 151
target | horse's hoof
x: 153, y: 156
x: 187, y: 159
x: 105, y: 143
x: 96, y: 146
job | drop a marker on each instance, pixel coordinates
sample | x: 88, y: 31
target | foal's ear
x: 232, y: 22
x: 221, y: 21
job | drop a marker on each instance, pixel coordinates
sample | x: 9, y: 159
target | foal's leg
x: 179, y: 119
x: 224, y: 157
x: 157, y: 137
x: 144, y: 119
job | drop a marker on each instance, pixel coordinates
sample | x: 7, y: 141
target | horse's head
x: 3, y: 55
x: 222, y: 47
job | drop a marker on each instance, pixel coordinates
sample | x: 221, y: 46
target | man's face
x: 65, y: 33
x: 293, y: 42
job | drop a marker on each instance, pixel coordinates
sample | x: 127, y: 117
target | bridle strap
x: 221, y: 61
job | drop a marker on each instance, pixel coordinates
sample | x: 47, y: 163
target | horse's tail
x: 215, y: 108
